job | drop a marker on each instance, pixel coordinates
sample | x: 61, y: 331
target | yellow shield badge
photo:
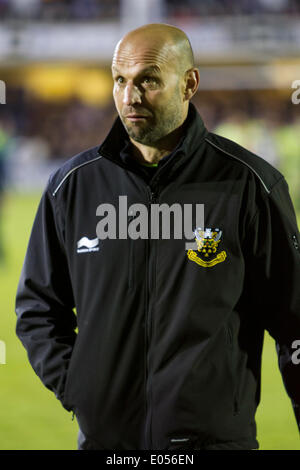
x: 208, y: 241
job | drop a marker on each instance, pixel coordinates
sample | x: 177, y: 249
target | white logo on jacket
x: 85, y: 245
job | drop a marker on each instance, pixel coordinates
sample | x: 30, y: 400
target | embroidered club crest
x: 208, y: 241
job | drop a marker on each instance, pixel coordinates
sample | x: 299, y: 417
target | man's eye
x: 149, y: 80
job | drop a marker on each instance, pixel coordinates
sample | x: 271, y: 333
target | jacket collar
x: 195, y: 132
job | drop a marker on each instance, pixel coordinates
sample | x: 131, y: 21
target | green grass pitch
x: 30, y: 415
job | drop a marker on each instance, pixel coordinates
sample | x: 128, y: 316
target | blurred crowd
x: 267, y: 124
x: 177, y: 8
x: 66, y: 10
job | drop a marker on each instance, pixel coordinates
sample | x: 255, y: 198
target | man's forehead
x: 148, y: 54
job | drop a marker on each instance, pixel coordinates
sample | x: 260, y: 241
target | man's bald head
x: 165, y: 43
x: 154, y: 79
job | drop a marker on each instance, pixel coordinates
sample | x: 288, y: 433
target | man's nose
x: 132, y: 94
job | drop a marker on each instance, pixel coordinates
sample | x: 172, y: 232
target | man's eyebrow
x: 151, y: 69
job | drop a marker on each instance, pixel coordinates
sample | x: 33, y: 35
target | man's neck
x: 148, y: 154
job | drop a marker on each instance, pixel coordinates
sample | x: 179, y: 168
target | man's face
x: 147, y: 94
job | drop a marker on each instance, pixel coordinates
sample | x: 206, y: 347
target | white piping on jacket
x: 71, y: 171
x: 237, y: 158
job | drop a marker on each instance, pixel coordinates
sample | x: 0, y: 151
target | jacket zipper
x: 130, y: 265
x: 150, y: 270
x: 235, y: 400
x: 131, y: 259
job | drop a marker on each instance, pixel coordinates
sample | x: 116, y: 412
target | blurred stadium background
x: 55, y: 60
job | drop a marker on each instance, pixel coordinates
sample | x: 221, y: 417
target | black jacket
x: 169, y: 342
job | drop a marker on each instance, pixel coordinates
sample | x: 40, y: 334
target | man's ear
x: 192, y: 80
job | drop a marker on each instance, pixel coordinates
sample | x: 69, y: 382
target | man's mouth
x: 136, y: 117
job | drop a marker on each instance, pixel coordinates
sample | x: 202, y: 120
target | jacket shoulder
x: 59, y: 176
x: 264, y: 171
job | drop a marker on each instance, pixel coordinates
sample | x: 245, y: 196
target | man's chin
x: 137, y: 136
x: 142, y: 139
x: 141, y: 134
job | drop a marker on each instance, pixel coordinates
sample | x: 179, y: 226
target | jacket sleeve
x: 44, y: 302
x: 273, y: 258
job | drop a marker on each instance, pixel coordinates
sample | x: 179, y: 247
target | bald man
x: 171, y: 306
x: 154, y: 79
